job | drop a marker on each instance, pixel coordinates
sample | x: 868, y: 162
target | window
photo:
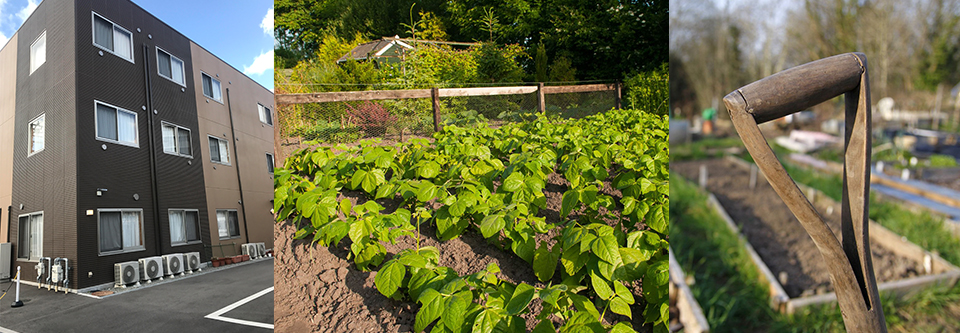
x: 112, y: 37
x: 270, y: 163
x: 36, y: 134
x: 184, y: 226
x: 265, y: 116
x: 176, y: 140
x: 211, y: 87
x: 169, y: 66
x: 120, y: 230
x: 31, y: 236
x: 38, y: 52
x: 227, y: 223
x: 219, y: 151
x: 116, y: 125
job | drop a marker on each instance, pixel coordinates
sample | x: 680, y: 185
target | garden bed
x: 786, y: 248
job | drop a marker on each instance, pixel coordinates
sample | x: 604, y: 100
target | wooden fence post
x: 435, y: 92
x: 540, y: 100
x: 618, y: 95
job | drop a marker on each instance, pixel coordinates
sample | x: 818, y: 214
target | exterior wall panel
x: 8, y: 107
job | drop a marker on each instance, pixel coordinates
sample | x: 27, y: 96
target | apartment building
x: 120, y: 138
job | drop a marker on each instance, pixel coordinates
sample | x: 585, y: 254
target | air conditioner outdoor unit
x: 249, y: 249
x: 191, y: 261
x: 262, y: 249
x: 173, y: 264
x: 5, y: 255
x: 151, y: 268
x: 126, y: 273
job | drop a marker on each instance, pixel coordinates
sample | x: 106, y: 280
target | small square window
x: 116, y: 125
x: 38, y: 52
x: 227, y: 223
x: 120, y: 230
x: 184, y: 226
x: 219, y: 150
x: 176, y: 140
x: 270, y: 163
x: 170, y: 67
x: 36, y: 134
x: 211, y: 87
x: 112, y: 37
x: 265, y: 116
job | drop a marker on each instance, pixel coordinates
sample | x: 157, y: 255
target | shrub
x: 371, y: 117
x: 649, y: 91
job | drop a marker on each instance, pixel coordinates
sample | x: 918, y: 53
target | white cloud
x: 267, y: 23
x: 261, y: 64
x: 25, y: 12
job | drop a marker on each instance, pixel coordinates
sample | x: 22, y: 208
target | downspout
x: 233, y: 132
x: 150, y: 140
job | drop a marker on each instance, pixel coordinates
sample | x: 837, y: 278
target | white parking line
x: 216, y: 315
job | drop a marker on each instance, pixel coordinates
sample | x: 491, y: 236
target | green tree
x: 541, y: 64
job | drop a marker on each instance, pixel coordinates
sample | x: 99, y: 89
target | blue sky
x: 240, y: 31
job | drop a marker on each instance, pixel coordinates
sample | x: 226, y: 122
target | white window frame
x: 93, y: 36
x: 176, y: 139
x: 184, y: 211
x: 270, y: 158
x: 34, y: 63
x: 218, y: 146
x: 227, y: 220
x: 40, y: 237
x: 141, y: 247
x: 96, y: 125
x: 219, y: 86
x: 30, y: 150
x: 265, y: 114
x: 183, y: 70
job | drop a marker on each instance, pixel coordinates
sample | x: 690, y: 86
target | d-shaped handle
x: 800, y: 87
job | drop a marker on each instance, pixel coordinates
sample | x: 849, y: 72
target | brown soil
x: 776, y: 234
x: 319, y: 290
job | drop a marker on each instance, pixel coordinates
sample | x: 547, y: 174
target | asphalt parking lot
x: 238, y: 299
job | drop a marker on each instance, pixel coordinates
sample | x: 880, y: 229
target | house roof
x: 378, y: 47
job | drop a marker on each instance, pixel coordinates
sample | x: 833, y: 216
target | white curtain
x: 36, y: 235
x: 176, y: 227
x: 224, y: 152
x: 216, y: 90
x: 183, y: 141
x: 263, y: 117
x: 131, y: 229
x: 222, y: 224
x: 36, y: 134
x: 121, y: 43
x: 169, y: 139
x: 177, y: 69
x: 127, y: 127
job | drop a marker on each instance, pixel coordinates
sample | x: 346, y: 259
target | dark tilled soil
x: 319, y: 290
x: 776, y: 234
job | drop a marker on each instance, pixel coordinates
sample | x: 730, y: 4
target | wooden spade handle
x: 800, y: 87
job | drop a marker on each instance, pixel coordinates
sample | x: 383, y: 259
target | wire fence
x: 396, y: 115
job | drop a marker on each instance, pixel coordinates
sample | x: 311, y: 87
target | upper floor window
x: 270, y: 163
x: 112, y: 37
x: 211, y: 87
x: 116, y: 125
x: 169, y: 66
x: 38, y: 52
x: 265, y: 116
x: 219, y: 150
x: 36, y: 134
x: 176, y: 140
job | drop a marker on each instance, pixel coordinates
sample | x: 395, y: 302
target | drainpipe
x: 233, y: 132
x: 150, y: 140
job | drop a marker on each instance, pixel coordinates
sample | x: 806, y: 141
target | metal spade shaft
x: 796, y: 89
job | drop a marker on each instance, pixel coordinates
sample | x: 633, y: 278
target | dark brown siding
x: 47, y: 180
x: 124, y: 170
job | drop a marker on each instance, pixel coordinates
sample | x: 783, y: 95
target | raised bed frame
x: 691, y: 314
x: 939, y: 272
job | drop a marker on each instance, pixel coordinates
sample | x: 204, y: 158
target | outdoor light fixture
x: 100, y: 191
x: 89, y: 212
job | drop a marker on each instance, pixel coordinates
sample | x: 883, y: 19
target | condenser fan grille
x: 129, y: 274
x: 153, y: 268
x: 175, y: 264
x: 194, y: 262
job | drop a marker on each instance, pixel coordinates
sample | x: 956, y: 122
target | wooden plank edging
x: 691, y: 314
x: 370, y: 95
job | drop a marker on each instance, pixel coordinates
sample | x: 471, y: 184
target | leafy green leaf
x: 520, y: 299
x: 429, y: 169
x: 618, y: 305
x: 570, y: 200
x: 544, y: 262
x: 606, y: 246
x: 455, y: 309
x: 491, y: 225
x: 545, y: 326
x: 389, y: 278
x: 622, y: 327
x: 513, y: 182
x: 432, y: 307
x: 486, y: 321
x: 601, y: 287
